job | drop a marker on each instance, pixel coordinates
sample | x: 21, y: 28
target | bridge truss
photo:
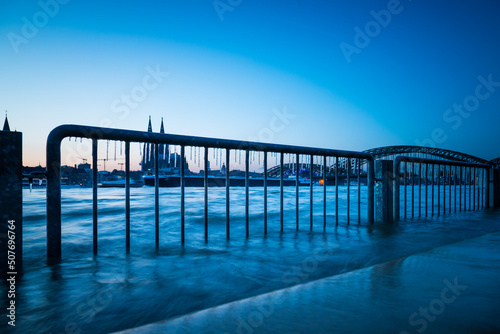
x: 384, y: 152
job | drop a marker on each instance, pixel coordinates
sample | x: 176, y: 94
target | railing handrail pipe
x: 98, y: 133
x: 397, y: 176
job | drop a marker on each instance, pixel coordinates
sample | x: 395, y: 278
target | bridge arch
x: 495, y: 162
x: 387, y: 151
x: 418, y: 151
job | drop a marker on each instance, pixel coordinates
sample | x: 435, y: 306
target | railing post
x: 487, y: 194
x: 496, y: 188
x: 384, y: 191
x: 54, y: 196
x: 157, y: 198
x: 11, y: 202
x: 94, y: 196
x: 396, y: 189
x: 127, y: 196
x: 371, y: 188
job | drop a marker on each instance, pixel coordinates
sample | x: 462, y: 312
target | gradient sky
x: 233, y: 66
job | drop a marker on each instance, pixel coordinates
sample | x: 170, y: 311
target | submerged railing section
x: 433, y: 187
x: 332, y: 161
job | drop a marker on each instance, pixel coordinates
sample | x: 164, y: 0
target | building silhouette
x: 168, y: 162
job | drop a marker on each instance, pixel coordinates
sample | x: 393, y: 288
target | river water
x: 115, y: 291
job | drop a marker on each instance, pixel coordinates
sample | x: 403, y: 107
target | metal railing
x: 468, y: 186
x: 128, y: 136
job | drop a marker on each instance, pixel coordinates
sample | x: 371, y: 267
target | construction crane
x: 104, y: 159
x: 84, y: 160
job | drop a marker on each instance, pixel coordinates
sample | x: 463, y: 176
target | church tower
x: 148, y: 153
x: 6, y: 126
x: 163, y: 151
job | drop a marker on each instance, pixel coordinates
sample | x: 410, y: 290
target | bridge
x: 423, y: 152
x: 384, y: 152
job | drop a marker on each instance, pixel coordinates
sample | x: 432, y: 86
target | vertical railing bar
x: 485, y: 189
x: 336, y: 190
x: 228, y: 183
x: 419, y: 190
x: 445, y: 178
x: 127, y: 196
x: 460, y: 190
x: 311, y: 168
x: 449, y: 189
x: 405, y: 173
x: 482, y: 188
x: 426, y: 188
x: 412, y: 189
x: 474, y: 189
x: 432, y: 190
x: 370, y: 190
x: 265, y: 192
x: 470, y: 188
x: 183, y: 196
x: 324, y: 193
x: 479, y: 188
x: 464, y: 181
x: 439, y: 190
x: 94, y: 194
x: 348, y: 190
x: 281, y: 190
x: 247, y: 193
x: 359, y: 191
x: 477, y: 185
x: 444, y: 188
x: 466, y: 177
x: 157, y: 200
x: 205, y: 185
x: 455, y: 186
x: 465, y: 187
x: 297, y: 158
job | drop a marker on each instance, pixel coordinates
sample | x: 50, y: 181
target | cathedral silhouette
x: 167, y: 161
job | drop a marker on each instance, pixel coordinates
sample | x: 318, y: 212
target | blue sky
x: 233, y: 65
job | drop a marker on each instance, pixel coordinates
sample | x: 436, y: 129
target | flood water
x: 115, y: 291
